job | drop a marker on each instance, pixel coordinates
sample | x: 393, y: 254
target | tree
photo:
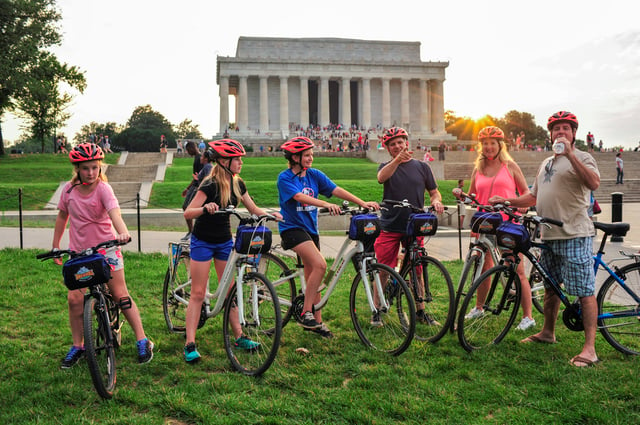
x: 42, y: 102
x: 143, y: 130
x: 84, y: 135
x: 187, y: 130
x: 27, y: 28
x: 515, y: 122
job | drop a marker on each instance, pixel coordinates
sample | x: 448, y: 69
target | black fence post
x: 616, y: 212
x: 20, y: 217
x: 138, y: 218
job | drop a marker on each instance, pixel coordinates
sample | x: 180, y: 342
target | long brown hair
x: 221, y: 177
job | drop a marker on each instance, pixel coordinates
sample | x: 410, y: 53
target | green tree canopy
x: 187, y: 130
x: 84, y: 135
x: 143, y: 130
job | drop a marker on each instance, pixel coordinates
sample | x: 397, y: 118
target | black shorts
x: 293, y: 237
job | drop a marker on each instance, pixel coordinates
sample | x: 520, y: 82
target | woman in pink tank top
x: 496, y: 173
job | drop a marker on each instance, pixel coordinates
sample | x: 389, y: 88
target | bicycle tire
x: 398, y: 326
x: 537, y: 284
x: 469, y: 271
x: 619, y: 317
x: 263, y: 326
x: 177, y: 285
x: 276, y: 271
x: 438, y: 300
x: 99, y: 346
x: 500, y: 309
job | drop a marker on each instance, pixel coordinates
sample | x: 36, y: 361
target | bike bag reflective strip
x: 82, y: 272
x: 485, y: 222
x: 422, y: 224
x: 513, y: 236
x: 253, y: 240
x: 364, y: 227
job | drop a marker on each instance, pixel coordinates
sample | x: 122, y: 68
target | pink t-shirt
x: 89, y: 221
x: 504, y: 185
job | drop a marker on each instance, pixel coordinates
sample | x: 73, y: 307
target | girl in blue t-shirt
x: 298, y: 188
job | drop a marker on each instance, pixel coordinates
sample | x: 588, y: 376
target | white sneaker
x: 475, y: 313
x: 525, y: 324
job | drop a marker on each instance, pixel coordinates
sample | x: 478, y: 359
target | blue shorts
x: 570, y: 262
x: 205, y: 251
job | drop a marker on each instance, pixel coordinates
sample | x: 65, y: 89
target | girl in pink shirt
x: 89, y: 206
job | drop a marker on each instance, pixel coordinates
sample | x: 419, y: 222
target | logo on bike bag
x: 84, y: 274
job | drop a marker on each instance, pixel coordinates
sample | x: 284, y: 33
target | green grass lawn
x: 339, y: 382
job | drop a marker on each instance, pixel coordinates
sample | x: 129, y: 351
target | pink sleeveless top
x: 503, y: 185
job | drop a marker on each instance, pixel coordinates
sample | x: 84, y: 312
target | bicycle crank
x: 572, y: 318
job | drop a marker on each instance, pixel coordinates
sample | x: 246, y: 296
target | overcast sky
x: 532, y: 56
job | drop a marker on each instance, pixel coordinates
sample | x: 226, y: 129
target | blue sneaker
x: 145, y: 350
x: 191, y: 354
x: 72, y: 357
x: 246, y: 344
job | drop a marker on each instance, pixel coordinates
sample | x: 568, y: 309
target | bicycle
x: 101, y: 318
x: 484, y: 224
x: 428, y: 279
x: 618, y: 298
x: 251, y: 296
x: 370, y: 295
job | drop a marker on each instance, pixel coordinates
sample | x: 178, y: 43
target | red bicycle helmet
x: 227, y: 148
x: 297, y: 145
x: 85, y: 152
x: 392, y: 133
x: 563, y: 116
x: 491, y: 132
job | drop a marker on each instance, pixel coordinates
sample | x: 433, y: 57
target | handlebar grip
x: 552, y: 221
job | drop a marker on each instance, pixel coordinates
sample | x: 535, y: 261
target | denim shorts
x: 205, y: 251
x: 570, y: 262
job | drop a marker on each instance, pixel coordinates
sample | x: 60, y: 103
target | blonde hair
x: 503, y: 156
x: 75, y: 179
x: 220, y: 176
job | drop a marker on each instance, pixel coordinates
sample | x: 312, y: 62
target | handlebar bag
x: 422, y: 224
x: 85, y: 271
x: 513, y: 236
x: 364, y: 227
x: 253, y: 240
x: 485, y: 222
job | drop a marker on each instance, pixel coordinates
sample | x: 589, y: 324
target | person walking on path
x: 189, y: 192
x: 442, y: 147
x: 496, y: 174
x: 562, y: 191
x: 298, y: 189
x: 90, y: 207
x: 402, y: 178
x: 619, y: 168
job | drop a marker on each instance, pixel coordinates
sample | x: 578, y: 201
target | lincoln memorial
x: 284, y: 83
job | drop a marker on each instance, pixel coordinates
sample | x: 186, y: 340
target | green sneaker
x: 246, y: 344
x: 191, y: 354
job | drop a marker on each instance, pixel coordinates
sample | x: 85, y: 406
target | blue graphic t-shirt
x: 295, y: 214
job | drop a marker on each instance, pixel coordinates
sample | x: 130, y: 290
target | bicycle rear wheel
x: 619, y: 313
x: 499, y: 309
x: 276, y: 271
x: 393, y: 330
x: 469, y: 272
x: 432, y: 290
x: 100, y: 350
x: 263, y: 325
x: 176, y: 293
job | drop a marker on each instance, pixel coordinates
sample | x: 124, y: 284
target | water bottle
x: 558, y: 147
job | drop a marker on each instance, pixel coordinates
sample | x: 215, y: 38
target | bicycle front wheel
x: 256, y: 349
x: 390, y: 330
x: 176, y: 293
x: 432, y: 289
x: 478, y: 328
x: 100, y: 350
x: 619, y: 313
x: 277, y: 272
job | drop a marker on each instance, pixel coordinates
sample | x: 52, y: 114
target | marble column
x: 264, y: 105
x: 424, y: 107
x: 366, y: 103
x: 404, y: 104
x: 386, y: 103
x: 243, y: 104
x: 284, y: 106
x: 304, y: 102
x: 345, y: 104
x: 224, y: 103
x: 437, y: 115
x: 324, y: 117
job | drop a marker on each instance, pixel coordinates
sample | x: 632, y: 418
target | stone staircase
x: 134, y: 174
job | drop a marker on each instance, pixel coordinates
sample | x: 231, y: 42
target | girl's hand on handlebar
x: 333, y: 209
x: 123, y: 238
x: 371, y: 205
x: 496, y: 200
x: 210, y: 207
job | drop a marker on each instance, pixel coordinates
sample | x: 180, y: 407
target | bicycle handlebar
x: 59, y: 253
x: 245, y: 218
x: 406, y: 204
x: 346, y: 209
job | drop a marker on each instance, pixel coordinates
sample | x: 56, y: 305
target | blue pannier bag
x: 364, y: 227
x: 513, y: 236
x: 422, y: 224
x: 253, y: 240
x: 82, y: 272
